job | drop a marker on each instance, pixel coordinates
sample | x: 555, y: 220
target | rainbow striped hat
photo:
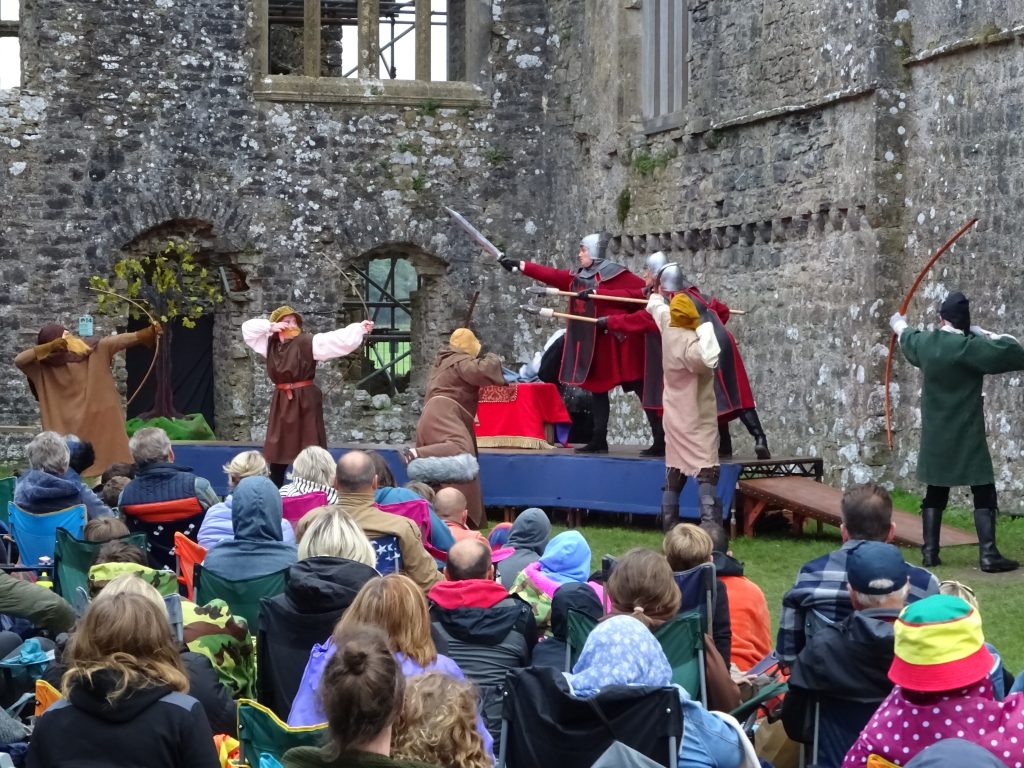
x: 939, y: 646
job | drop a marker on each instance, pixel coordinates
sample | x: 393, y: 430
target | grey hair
x: 314, y: 464
x: 150, y: 445
x: 48, y: 452
x: 335, y: 534
x: 881, y: 601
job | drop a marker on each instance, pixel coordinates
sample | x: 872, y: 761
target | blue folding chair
x: 36, y: 534
x: 389, y: 554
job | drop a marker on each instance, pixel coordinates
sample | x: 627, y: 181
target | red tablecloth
x: 515, y: 415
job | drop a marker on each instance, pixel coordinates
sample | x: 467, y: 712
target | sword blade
x: 474, y: 233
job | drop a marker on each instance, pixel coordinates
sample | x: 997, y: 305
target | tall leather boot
x: 931, y: 523
x: 658, y: 431
x: 600, y: 408
x: 669, y: 508
x: 710, y: 506
x: 753, y: 425
x: 724, y: 440
x: 988, y: 556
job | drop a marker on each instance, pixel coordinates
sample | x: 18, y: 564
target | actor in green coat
x: 954, y: 360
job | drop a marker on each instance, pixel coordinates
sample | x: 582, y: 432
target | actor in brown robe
x: 445, y: 452
x: 75, y: 388
x: 296, y: 418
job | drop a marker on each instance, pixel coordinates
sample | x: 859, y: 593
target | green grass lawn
x: 772, y: 560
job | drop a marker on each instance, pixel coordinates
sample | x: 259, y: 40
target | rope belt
x: 294, y: 385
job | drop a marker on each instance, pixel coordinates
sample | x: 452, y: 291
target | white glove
x: 708, y: 343
x: 898, y: 323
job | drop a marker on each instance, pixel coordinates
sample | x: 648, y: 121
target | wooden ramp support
x: 805, y: 498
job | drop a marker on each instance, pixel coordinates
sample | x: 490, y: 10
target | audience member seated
x: 217, y: 523
x: 105, y: 529
x: 440, y: 537
x: 422, y: 490
x: 335, y: 561
x: 81, y: 456
x: 1002, y: 680
x: 845, y: 666
x: 954, y: 753
x: 566, y: 559
x: 498, y: 536
x: 117, y: 469
x: 356, y: 481
x: 162, y: 497
x: 363, y: 692
x: 312, y: 471
x: 117, y: 558
x: 450, y: 505
x: 258, y: 548
x: 687, y: 546
x: 821, y: 584
x: 942, y: 690
x: 126, y: 701
x: 38, y: 605
x: 749, y: 619
x: 528, y: 537
x: 622, y: 651
x: 394, y: 604
x: 47, y: 486
x: 110, y: 492
x: 438, y: 723
x: 550, y: 652
x: 488, y: 631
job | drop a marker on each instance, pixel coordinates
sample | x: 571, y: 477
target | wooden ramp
x: 805, y: 498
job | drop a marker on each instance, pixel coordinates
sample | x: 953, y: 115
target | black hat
x: 956, y: 310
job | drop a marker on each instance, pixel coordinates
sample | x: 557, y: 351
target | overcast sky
x: 9, y: 66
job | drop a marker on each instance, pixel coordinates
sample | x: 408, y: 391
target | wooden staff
x: 547, y: 312
x: 541, y: 290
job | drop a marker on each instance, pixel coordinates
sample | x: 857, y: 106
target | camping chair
x: 815, y: 621
x: 836, y: 725
x: 243, y: 597
x: 294, y: 507
x: 160, y: 521
x: 417, y: 510
x: 698, y: 589
x: 73, y: 557
x: 46, y: 696
x: 6, y: 497
x: 189, y: 554
x: 545, y: 726
x: 260, y: 731
x: 389, y: 554
x: 36, y: 535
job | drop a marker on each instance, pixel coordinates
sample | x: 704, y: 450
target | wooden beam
x: 423, y: 39
x: 9, y: 28
x: 261, y: 60
x: 369, y: 39
x: 311, y: 39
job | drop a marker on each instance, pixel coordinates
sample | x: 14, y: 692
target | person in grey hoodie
x: 49, y: 485
x: 528, y: 537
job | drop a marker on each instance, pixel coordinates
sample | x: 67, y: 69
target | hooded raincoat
x: 528, y: 537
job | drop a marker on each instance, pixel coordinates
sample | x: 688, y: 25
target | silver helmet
x: 655, y: 262
x: 671, y: 279
x: 593, y: 245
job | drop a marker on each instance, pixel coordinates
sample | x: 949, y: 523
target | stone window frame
x: 12, y: 28
x: 665, y: 68
x: 367, y: 88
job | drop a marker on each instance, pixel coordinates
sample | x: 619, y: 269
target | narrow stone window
x: 10, y: 45
x: 666, y: 70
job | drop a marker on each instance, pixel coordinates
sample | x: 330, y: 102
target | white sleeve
x: 708, y: 343
x: 661, y: 314
x: 327, y: 346
x: 256, y: 334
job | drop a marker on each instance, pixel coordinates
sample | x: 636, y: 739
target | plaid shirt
x: 821, y: 586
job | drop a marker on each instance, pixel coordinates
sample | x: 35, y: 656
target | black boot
x: 724, y: 440
x: 931, y: 523
x: 669, y: 509
x: 753, y: 425
x: 600, y: 408
x: 988, y: 556
x: 658, y: 447
x: 710, y: 506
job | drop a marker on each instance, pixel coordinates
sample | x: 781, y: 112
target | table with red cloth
x: 521, y: 415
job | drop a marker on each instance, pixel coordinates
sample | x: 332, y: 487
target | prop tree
x: 164, y: 287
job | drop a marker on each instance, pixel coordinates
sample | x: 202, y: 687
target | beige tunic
x: 691, y: 411
x: 82, y: 399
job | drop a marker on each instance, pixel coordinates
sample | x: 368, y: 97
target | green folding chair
x: 6, y: 496
x: 261, y: 732
x: 243, y: 597
x: 73, y: 557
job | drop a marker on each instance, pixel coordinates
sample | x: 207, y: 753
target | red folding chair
x: 189, y: 554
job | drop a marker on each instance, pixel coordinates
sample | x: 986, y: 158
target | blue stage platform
x: 619, y: 481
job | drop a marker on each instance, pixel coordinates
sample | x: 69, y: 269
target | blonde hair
x: 422, y: 490
x: 686, y: 546
x: 314, y: 464
x: 128, y: 635
x: 333, y: 533
x: 438, y: 723
x: 395, y: 604
x: 246, y: 464
x: 642, y: 586
x: 956, y: 589
x: 303, y: 524
x: 131, y: 584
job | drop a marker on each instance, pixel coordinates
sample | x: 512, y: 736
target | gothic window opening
x: 10, y: 44
x: 666, y: 70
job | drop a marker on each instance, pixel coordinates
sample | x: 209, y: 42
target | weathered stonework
x: 825, y: 151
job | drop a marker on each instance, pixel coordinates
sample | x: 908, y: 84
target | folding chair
x: 417, y: 510
x: 814, y: 621
x: 260, y: 731
x: 189, y: 554
x: 545, y: 726
x: 46, y: 696
x: 294, y: 507
x: 6, y: 497
x: 243, y: 597
x: 72, y: 559
x: 36, y: 535
x: 389, y: 554
x: 160, y: 521
x: 698, y: 589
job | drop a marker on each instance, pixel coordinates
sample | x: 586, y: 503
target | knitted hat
x: 282, y: 312
x: 683, y: 312
x: 956, y: 310
x: 939, y: 646
x: 874, y: 568
x: 464, y: 340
